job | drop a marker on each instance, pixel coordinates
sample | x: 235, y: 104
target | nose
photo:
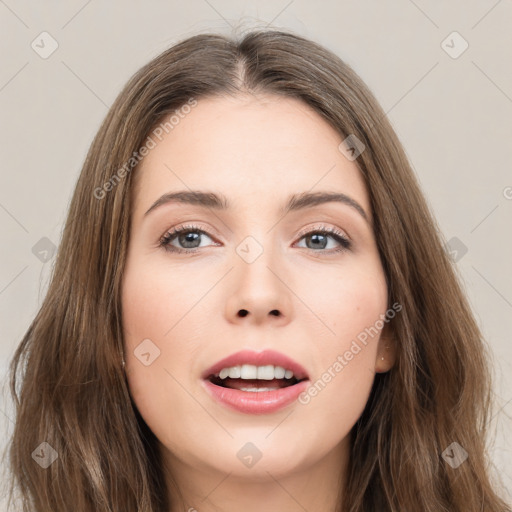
x: 259, y: 293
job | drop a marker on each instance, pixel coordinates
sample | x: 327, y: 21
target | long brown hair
x: 74, y: 396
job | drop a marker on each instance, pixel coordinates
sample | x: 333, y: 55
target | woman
x: 251, y: 306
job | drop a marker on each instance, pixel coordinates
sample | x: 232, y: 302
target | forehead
x: 254, y: 149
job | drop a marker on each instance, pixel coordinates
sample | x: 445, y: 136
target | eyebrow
x: 220, y: 202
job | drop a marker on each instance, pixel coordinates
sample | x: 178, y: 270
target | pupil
x: 315, y: 237
x: 189, y: 238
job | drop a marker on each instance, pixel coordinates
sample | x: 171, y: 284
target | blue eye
x: 189, y: 237
x: 321, y: 237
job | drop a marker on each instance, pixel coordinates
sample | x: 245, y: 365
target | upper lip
x: 267, y: 357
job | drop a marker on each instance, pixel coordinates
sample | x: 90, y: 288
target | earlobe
x: 386, y: 352
x: 385, y: 358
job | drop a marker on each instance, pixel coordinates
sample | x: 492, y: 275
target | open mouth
x: 254, y: 378
x: 253, y: 382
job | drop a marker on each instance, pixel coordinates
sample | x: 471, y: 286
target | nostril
x: 243, y: 312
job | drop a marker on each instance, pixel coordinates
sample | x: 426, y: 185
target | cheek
x: 169, y: 305
x: 158, y: 341
x: 155, y: 297
x: 351, y: 304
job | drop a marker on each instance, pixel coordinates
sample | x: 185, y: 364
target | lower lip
x: 255, y: 402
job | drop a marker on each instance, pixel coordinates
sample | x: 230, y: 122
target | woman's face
x: 254, y: 275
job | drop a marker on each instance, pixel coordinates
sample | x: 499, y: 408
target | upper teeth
x: 249, y: 371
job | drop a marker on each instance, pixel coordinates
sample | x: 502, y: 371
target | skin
x: 256, y: 151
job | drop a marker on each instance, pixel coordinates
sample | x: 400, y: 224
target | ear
x: 386, y: 350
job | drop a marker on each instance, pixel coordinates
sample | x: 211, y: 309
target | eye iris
x: 189, y: 238
x: 316, y: 237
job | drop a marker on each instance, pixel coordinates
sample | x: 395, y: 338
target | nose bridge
x: 260, y: 276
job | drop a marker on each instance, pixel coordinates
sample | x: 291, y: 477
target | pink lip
x: 258, y: 359
x: 257, y: 402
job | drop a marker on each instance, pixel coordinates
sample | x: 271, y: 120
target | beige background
x: 453, y: 116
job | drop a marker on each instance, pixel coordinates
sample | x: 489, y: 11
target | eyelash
x: 345, y: 243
